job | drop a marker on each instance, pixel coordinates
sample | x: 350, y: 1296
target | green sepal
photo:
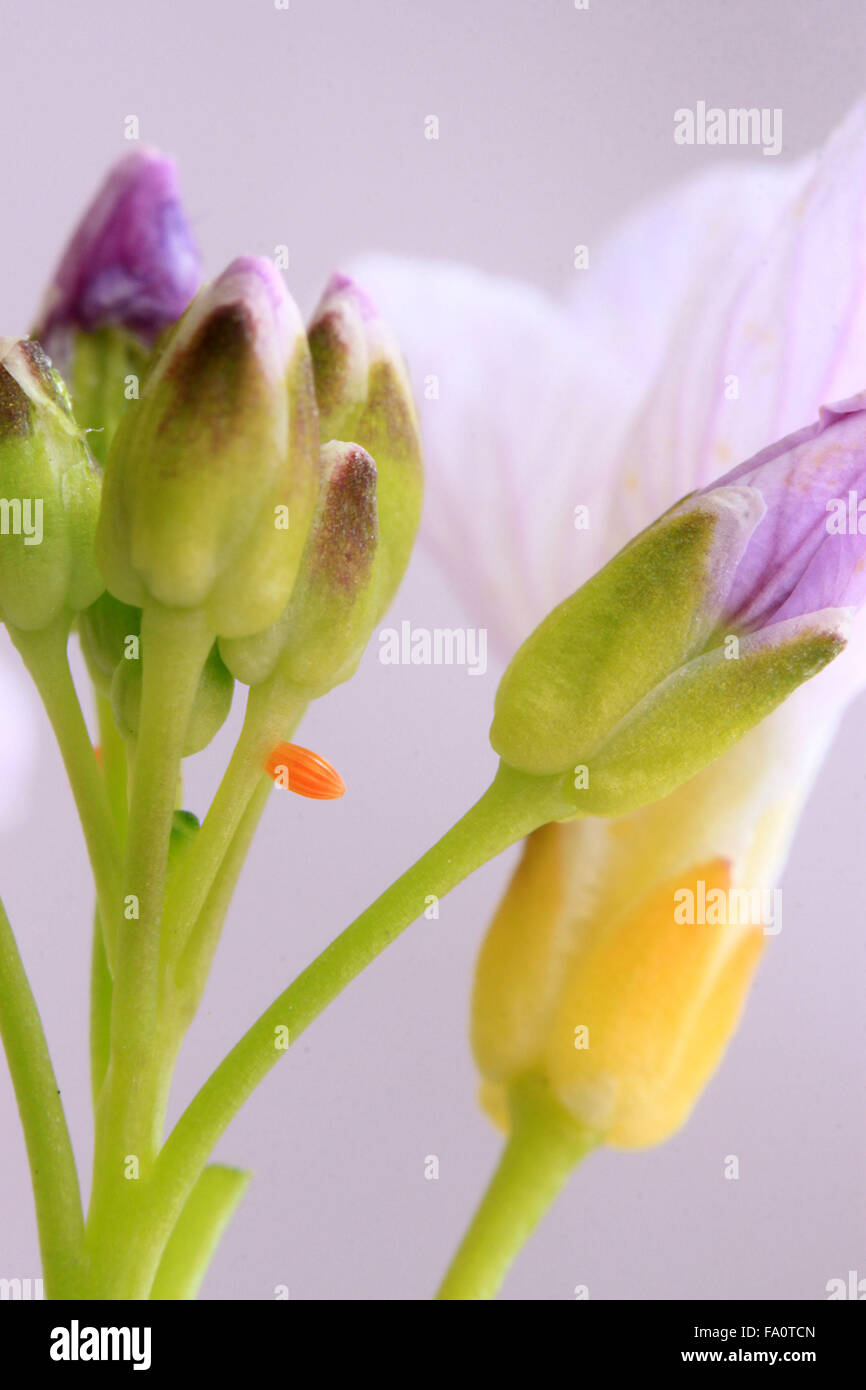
x: 699, y: 712
x: 105, y: 375
x: 610, y: 643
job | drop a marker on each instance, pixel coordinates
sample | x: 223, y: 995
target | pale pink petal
x: 535, y: 402
x: 753, y: 360
x: 692, y: 241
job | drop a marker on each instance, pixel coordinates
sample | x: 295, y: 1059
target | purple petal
x: 132, y: 260
x: 795, y: 562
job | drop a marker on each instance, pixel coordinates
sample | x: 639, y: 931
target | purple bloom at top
x: 808, y: 551
x: 132, y: 260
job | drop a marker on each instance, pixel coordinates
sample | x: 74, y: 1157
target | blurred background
x: 304, y: 127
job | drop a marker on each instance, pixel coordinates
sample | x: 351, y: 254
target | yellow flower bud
x: 646, y: 1010
x: 617, y: 965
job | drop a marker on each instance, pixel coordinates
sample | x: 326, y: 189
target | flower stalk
x: 49, y: 1149
x: 44, y: 653
x: 543, y: 1148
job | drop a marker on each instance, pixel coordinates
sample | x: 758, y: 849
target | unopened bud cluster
x: 266, y: 479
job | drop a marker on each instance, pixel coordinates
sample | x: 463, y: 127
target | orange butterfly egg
x: 300, y: 770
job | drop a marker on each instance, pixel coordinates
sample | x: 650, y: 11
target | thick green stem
x: 511, y: 807
x: 544, y: 1145
x: 49, y: 1149
x: 174, y: 646
x: 44, y: 655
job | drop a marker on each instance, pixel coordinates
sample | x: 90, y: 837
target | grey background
x: 306, y: 128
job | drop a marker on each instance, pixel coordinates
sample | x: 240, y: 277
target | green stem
x: 194, y: 966
x: 112, y: 749
x: 543, y: 1147
x: 114, y: 770
x: 44, y: 655
x: 193, y: 1240
x: 49, y: 1149
x: 100, y: 1011
x: 511, y: 807
x: 190, y: 1248
x: 174, y: 647
x: 273, y: 710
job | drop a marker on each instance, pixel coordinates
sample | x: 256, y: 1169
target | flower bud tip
x: 131, y: 261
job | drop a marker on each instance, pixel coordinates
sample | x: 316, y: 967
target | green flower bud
x: 322, y: 635
x: 613, y: 641
x: 49, y: 494
x: 363, y: 393
x: 212, y: 477
x: 210, y: 708
x: 637, y: 682
x: 106, y: 630
x: 254, y: 659
x: 184, y: 829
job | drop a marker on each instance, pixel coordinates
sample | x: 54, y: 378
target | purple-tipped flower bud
x: 363, y: 394
x: 322, y: 635
x: 131, y: 262
x: 213, y: 474
x: 699, y: 627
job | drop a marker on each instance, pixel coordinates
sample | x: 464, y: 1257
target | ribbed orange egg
x: 300, y: 770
